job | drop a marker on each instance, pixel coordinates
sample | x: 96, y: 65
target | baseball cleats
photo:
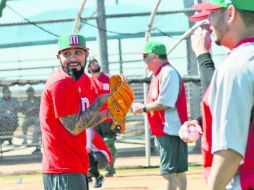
x: 99, y: 181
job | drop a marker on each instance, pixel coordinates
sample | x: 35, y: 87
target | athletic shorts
x: 173, y: 154
x: 65, y: 181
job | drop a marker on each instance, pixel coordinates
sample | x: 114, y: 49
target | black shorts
x: 173, y: 154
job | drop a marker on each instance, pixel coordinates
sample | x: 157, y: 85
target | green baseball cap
x: 156, y: 48
x: 208, y: 6
x: 72, y: 40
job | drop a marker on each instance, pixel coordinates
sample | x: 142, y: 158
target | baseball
x: 189, y: 134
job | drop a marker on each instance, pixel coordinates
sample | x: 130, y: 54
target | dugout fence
x: 11, y: 128
x: 125, y: 38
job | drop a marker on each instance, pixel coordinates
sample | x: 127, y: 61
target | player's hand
x: 190, y: 131
x: 137, y: 108
x: 201, y: 41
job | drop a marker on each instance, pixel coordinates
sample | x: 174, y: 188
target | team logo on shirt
x: 105, y: 86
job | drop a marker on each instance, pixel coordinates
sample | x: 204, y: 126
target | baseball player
x: 227, y: 119
x: 166, y: 110
x: 65, y: 112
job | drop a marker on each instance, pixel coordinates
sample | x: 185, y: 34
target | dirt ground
x: 151, y: 180
x: 129, y: 179
x: 141, y: 180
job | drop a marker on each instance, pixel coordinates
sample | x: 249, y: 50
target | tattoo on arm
x: 90, y: 117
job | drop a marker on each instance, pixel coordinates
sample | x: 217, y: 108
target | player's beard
x: 220, y: 29
x: 96, y: 70
x: 73, y: 72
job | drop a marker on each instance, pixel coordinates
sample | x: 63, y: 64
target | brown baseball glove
x: 120, y: 101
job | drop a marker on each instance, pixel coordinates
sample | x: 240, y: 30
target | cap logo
x: 74, y: 40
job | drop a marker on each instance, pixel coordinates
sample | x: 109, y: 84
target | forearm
x: 206, y: 67
x: 224, y: 167
x: 155, y: 107
x: 86, y: 122
x: 90, y: 117
x: 139, y: 108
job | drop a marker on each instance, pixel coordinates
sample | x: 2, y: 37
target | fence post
x: 102, y: 36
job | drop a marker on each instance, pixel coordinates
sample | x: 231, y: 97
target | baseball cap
x: 156, y: 48
x: 208, y: 6
x: 91, y: 61
x: 72, y: 40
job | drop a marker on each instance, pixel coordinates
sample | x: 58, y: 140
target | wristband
x: 144, y: 109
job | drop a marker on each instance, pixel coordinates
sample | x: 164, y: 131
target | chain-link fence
x: 19, y: 117
x: 33, y: 42
x: 19, y: 114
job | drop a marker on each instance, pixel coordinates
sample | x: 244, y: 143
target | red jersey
x: 207, y: 135
x: 246, y: 170
x: 102, y: 86
x: 175, y: 98
x: 62, y: 96
x: 102, y: 83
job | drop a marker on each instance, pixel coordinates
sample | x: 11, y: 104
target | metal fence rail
x: 19, y: 118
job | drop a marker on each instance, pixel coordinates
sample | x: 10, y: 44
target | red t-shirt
x: 102, y: 86
x: 62, y: 96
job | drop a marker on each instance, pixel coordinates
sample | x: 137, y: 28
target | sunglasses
x: 148, y: 58
x: 145, y: 55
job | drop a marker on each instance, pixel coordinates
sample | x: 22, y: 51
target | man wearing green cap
x: 66, y: 110
x: 228, y: 116
x: 166, y: 110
